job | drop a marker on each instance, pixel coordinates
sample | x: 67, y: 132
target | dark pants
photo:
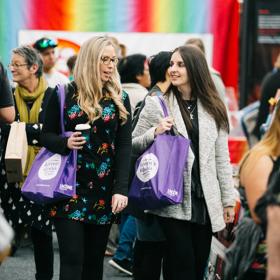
x: 82, y: 247
x: 148, y: 258
x: 253, y: 275
x: 126, y: 240
x: 188, y: 248
x: 43, y: 254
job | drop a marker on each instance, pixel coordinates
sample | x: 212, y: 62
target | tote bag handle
x: 163, y: 105
x: 61, y: 96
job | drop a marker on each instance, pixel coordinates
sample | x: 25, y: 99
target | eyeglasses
x: 16, y: 65
x: 47, y: 43
x: 106, y: 60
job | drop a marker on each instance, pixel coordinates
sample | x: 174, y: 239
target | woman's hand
x: 164, y: 125
x: 229, y: 214
x: 119, y: 202
x: 76, y: 141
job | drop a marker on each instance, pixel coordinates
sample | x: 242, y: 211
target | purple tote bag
x: 158, y: 179
x: 52, y: 177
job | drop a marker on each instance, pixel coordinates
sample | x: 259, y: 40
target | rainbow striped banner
x: 219, y: 17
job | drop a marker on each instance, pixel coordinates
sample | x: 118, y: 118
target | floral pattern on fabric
x: 95, y: 164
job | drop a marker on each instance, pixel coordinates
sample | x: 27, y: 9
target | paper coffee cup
x: 84, y: 128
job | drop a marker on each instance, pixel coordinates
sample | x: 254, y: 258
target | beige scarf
x: 30, y: 116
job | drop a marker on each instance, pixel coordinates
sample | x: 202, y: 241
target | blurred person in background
x: 135, y: 78
x: 7, y: 115
x: 7, y: 110
x: 259, y: 175
x: 31, y: 97
x: 46, y: 48
x: 269, y: 87
x: 71, y: 64
x: 216, y: 76
x: 150, y: 245
x: 273, y: 242
x: 123, y: 49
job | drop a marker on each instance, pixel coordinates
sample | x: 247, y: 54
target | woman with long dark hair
x: 195, y: 112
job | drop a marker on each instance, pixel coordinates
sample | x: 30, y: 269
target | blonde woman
x: 95, y: 97
x: 257, y: 168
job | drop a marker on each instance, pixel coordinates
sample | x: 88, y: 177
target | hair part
x: 88, y: 79
x: 202, y: 86
x: 31, y: 56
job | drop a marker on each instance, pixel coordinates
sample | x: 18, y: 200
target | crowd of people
x: 120, y: 97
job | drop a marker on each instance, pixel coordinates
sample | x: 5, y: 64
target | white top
x: 55, y: 78
x: 136, y: 93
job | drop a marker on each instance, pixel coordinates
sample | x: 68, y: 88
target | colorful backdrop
x: 219, y: 17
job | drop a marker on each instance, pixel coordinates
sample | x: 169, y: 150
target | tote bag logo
x: 50, y: 167
x: 148, y: 167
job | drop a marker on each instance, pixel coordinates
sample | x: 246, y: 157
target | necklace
x: 191, y: 109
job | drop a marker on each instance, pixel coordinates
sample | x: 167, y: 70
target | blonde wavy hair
x: 268, y: 146
x: 88, y: 79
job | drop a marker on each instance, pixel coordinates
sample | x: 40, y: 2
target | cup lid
x: 82, y: 126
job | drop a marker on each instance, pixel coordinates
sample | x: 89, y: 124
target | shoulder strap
x: 61, y: 96
x: 163, y: 105
x: 243, y: 162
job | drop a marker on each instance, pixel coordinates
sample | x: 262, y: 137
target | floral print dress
x: 100, y: 164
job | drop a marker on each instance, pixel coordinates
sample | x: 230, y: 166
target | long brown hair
x: 202, y: 87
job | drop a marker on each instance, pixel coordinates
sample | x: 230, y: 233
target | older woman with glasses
x: 31, y: 95
x: 95, y: 97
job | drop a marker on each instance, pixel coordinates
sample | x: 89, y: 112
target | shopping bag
x: 52, y: 176
x: 158, y: 179
x: 16, y: 152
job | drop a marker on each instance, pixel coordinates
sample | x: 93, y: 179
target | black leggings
x: 188, y: 248
x: 82, y: 247
x: 149, y: 257
x: 43, y: 254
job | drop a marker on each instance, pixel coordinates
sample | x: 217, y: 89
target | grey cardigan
x: 215, y: 168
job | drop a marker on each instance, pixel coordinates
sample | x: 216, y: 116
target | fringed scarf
x: 22, y: 97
